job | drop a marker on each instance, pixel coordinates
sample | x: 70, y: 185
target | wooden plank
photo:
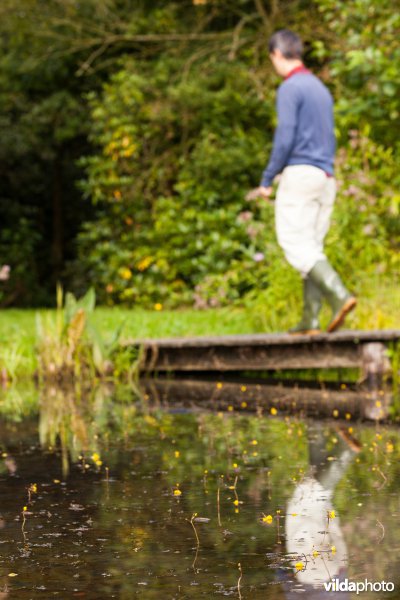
x: 262, y: 339
x: 247, y: 357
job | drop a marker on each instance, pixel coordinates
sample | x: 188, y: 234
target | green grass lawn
x: 18, y: 328
x: 378, y: 308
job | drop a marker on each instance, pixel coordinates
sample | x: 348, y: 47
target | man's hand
x: 260, y: 192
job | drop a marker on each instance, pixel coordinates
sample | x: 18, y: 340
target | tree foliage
x: 177, y: 155
x: 365, y: 58
x: 131, y: 131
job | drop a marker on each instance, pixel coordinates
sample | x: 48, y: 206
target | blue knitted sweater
x: 305, y: 131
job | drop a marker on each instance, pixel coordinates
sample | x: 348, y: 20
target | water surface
x: 117, y: 497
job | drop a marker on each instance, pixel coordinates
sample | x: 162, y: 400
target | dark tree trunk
x: 57, y: 244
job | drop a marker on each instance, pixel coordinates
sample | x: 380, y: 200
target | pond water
x: 118, y: 497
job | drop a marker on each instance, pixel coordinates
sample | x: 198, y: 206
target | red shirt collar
x: 299, y: 69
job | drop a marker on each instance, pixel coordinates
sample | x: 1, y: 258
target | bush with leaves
x: 364, y: 54
x: 176, y: 160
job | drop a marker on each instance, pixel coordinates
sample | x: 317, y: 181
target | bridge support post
x: 375, y: 366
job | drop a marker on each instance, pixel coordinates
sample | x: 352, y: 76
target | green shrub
x: 176, y: 160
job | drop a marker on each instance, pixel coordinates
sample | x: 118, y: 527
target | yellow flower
x: 389, y: 447
x: 144, y: 263
x: 254, y: 442
x: 299, y: 566
x: 158, y: 306
x: 177, y: 453
x: 348, y: 416
x: 25, y: 508
x: 332, y: 514
x: 274, y: 411
x: 95, y: 457
x: 219, y: 385
x: 177, y: 492
x: 230, y: 408
x: 267, y: 519
x: 244, y: 405
x: 335, y: 413
x: 315, y: 553
x: 236, y: 502
x: 333, y: 549
x: 125, y: 273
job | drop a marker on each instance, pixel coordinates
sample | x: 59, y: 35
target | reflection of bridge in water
x: 248, y: 396
x: 366, y: 351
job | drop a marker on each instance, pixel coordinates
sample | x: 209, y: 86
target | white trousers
x: 303, y: 208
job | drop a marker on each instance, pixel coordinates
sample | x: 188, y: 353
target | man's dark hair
x: 287, y: 42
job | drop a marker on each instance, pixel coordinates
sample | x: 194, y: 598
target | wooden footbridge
x: 366, y: 350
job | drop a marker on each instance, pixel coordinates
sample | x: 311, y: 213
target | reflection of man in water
x: 306, y: 526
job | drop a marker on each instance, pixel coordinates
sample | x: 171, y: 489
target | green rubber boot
x: 312, y: 300
x: 340, y: 299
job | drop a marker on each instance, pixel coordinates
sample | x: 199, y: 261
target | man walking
x: 303, y: 151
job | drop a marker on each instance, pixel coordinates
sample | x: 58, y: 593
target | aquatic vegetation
x: 239, y: 580
x: 267, y: 519
x: 194, y: 515
x: 70, y: 346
